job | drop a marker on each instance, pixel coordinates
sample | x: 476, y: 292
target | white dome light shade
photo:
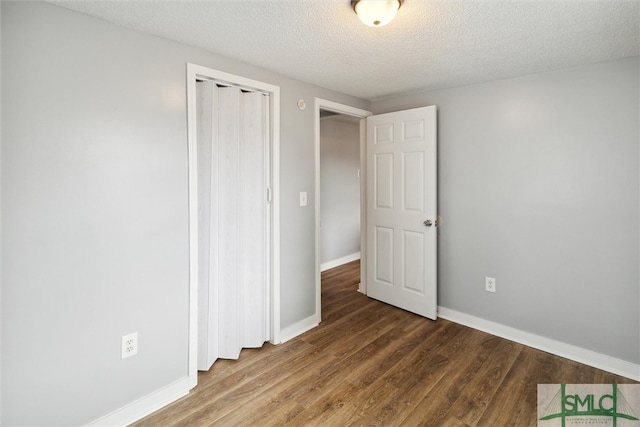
x: 376, y: 13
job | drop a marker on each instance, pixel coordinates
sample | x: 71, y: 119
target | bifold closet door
x: 237, y: 296
x: 254, y: 219
x: 207, y: 257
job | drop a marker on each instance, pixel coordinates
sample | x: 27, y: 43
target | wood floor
x: 372, y: 364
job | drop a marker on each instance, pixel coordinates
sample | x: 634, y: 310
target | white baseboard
x: 298, y: 328
x: 144, y: 406
x: 568, y: 351
x: 337, y: 262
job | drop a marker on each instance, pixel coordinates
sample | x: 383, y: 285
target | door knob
x: 428, y: 223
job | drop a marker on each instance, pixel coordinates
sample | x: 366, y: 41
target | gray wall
x: 339, y: 187
x: 94, y: 210
x: 539, y: 187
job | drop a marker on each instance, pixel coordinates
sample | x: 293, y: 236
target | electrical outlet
x: 129, y: 345
x: 489, y: 284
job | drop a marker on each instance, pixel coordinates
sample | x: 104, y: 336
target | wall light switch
x: 303, y: 198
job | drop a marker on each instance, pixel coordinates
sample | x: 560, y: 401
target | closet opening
x: 233, y: 215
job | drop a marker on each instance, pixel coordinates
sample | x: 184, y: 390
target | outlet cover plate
x: 490, y: 284
x: 129, y: 345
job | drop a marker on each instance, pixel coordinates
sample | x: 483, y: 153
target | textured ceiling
x: 430, y: 45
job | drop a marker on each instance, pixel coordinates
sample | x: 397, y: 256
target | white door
x: 233, y: 241
x: 402, y: 209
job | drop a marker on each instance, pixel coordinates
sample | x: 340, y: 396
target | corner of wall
x: 558, y: 348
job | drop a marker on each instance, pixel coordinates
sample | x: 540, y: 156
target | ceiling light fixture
x: 376, y: 13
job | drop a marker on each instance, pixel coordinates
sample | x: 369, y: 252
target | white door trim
x: 323, y: 104
x: 196, y: 71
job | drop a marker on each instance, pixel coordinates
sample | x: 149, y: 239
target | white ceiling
x: 430, y: 45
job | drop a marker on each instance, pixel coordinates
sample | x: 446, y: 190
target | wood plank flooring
x: 369, y: 363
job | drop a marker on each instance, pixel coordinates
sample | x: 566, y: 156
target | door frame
x: 323, y: 104
x: 194, y: 72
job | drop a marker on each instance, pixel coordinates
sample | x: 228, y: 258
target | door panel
x: 207, y: 337
x: 384, y: 255
x: 413, y: 181
x: 413, y: 255
x: 401, y: 249
x: 253, y: 215
x: 383, y: 175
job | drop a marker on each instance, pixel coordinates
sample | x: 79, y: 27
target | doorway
x: 398, y: 206
x: 339, y: 189
x: 327, y: 257
x: 203, y: 303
